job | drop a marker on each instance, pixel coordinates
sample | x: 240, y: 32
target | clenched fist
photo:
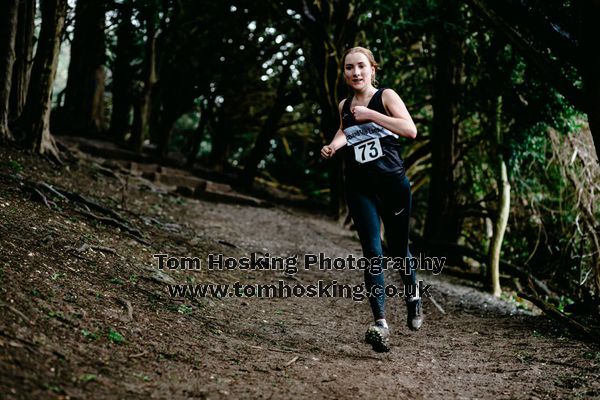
x: 361, y: 113
x: 327, y: 152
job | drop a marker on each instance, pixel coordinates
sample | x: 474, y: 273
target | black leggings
x: 387, y: 197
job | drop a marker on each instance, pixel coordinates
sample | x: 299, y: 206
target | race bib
x: 368, y: 151
x: 359, y: 133
x: 365, y: 140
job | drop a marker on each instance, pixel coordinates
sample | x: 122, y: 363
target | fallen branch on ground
x: 293, y: 360
x: 435, y: 303
x: 553, y: 312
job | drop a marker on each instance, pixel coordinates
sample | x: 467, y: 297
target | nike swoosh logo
x: 399, y: 212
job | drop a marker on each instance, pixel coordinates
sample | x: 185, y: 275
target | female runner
x: 376, y: 186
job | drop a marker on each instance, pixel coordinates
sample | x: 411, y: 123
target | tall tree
x: 35, y: 119
x: 123, y: 74
x: 23, y: 60
x: 442, y: 219
x: 143, y: 106
x: 8, y: 30
x: 83, y: 111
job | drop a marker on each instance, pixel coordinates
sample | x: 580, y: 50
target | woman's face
x: 358, y: 71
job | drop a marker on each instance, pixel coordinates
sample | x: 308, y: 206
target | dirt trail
x: 100, y: 323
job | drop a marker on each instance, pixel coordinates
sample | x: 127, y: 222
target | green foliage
x: 142, y: 376
x: 546, y: 202
x: 56, y: 314
x: 54, y: 388
x: 87, y: 378
x: 514, y: 299
x: 117, y: 281
x: 564, y: 300
x: 15, y: 166
x: 183, y: 309
x: 115, y: 336
x: 57, y: 275
x: 89, y: 335
x: 592, y: 355
x: 524, y: 357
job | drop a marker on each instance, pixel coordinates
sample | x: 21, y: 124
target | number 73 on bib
x: 368, y: 151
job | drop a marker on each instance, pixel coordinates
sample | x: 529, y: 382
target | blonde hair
x: 369, y: 56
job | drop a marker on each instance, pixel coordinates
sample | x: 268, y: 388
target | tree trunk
x: 83, y: 112
x: 123, y: 76
x: 493, y: 278
x: 8, y: 30
x: 205, y: 116
x: 442, y: 220
x: 165, y: 127
x: 332, y: 86
x: 488, y: 227
x: 220, y: 142
x: 268, y: 131
x: 140, y: 127
x: 35, y: 119
x: 23, y: 60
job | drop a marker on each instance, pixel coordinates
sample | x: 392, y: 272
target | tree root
x: 17, y: 312
x: 113, y: 222
x: 86, y: 246
x: 44, y: 199
x: 77, y: 198
x: 83, y: 206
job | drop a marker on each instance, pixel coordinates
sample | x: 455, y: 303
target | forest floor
x: 97, y: 321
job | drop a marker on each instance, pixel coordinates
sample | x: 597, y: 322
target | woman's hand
x: 327, y: 152
x: 362, y: 114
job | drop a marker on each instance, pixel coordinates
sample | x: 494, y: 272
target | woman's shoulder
x: 387, y: 92
x: 389, y: 95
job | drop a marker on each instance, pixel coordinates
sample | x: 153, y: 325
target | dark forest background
x: 506, y: 98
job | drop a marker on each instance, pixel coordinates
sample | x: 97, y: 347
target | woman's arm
x: 339, y: 140
x: 399, y: 121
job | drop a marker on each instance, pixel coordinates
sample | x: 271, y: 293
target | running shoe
x: 378, y: 337
x: 414, y: 314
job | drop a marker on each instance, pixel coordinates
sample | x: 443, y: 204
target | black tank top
x: 391, y: 161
